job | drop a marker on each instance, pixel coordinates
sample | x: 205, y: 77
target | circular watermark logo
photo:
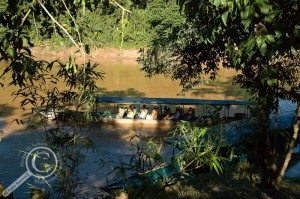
x: 40, y: 162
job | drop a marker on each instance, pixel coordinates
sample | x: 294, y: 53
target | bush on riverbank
x: 239, y: 181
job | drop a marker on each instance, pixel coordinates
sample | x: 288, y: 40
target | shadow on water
x: 6, y: 111
x: 110, y: 145
x: 222, y: 87
x: 130, y: 92
x: 11, y: 163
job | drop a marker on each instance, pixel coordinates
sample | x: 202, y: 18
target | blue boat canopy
x: 174, y: 101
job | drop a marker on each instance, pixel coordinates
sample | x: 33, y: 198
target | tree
x: 258, y: 38
x: 99, y: 22
x: 38, y: 84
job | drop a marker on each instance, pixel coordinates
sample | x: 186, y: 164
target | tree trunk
x: 263, y: 146
x: 291, y: 147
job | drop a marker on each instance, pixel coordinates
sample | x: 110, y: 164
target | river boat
x: 113, y: 112
x: 117, y: 118
x: 49, y: 113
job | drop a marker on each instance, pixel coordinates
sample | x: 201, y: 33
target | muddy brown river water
x: 122, y: 78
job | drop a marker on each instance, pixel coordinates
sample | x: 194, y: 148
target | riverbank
x: 115, y: 55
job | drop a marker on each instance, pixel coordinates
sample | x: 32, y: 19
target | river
x: 122, y: 78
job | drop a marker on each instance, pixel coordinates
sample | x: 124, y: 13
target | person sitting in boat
x: 130, y: 112
x: 120, y: 112
x: 190, y: 114
x: 177, y: 115
x: 166, y: 112
x: 153, y: 115
x: 143, y: 113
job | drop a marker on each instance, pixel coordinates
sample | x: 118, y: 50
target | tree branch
x: 123, y: 12
x: 120, y: 6
x: 45, y: 9
x: 291, y: 146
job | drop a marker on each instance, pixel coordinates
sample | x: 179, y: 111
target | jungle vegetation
x: 102, y: 24
x: 182, y: 40
x: 259, y: 39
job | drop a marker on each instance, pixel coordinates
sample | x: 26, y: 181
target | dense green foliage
x: 37, y: 83
x: 99, y: 22
x: 258, y: 38
x: 200, y: 148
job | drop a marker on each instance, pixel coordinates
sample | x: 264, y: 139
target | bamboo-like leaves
x: 200, y: 147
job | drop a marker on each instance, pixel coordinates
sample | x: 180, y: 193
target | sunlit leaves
x: 11, y: 53
x: 297, y: 30
x: 82, y: 80
x: 224, y: 18
x: 269, y: 18
x: 71, y: 64
x: 216, y: 2
x: 264, y: 5
x: 3, y: 6
x: 271, y: 82
x: 259, y: 39
x: 246, y: 2
x: 263, y: 42
x: 247, y: 15
x: 199, y: 147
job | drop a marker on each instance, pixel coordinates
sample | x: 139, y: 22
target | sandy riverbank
x: 96, y: 55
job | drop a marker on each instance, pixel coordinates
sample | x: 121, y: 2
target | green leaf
x: 180, y: 3
x: 250, y: 44
x: 217, y: 3
x: 224, y: 2
x: 278, y: 34
x: 270, y: 39
x: 224, y: 18
x: 11, y: 53
x: 260, y: 41
x: 5, y: 43
x: 216, y: 166
x: 271, y: 16
x: 271, y: 82
x: 67, y: 66
x: 248, y: 12
x: 297, y: 31
x: 246, y: 22
x: 264, y: 6
x: 247, y: 16
x: 263, y: 49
